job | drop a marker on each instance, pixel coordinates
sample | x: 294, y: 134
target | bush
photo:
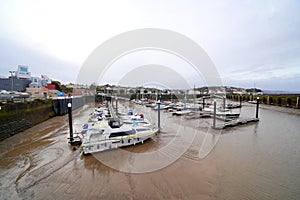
x: 279, y: 101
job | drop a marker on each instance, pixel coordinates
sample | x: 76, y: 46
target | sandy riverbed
x: 39, y: 164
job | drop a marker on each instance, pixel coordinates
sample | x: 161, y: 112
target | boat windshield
x: 142, y: 129
x: 122, y: 133
x: 96, y: 136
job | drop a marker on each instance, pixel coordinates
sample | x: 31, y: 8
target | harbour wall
x: 60, y: 105
x: 291, y: 101
x: 17, y: 117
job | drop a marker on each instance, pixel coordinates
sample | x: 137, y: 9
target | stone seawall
x: 16, y: 117
x: 60, y: 105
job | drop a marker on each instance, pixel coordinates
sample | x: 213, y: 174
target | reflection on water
x: 255, y: 161
x: 260, y: 161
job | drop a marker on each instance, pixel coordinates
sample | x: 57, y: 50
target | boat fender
x: 85, y: 126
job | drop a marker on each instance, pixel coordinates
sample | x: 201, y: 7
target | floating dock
x: 236, y: 123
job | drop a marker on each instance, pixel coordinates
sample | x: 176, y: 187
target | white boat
x: 135, y: 120
x: 161, y: 106
x: 113, y: 135
x: 221, y: 113
x: 181, y: 112
x: 98, y: 114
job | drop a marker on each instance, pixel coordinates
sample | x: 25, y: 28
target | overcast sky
x: 252, y: 43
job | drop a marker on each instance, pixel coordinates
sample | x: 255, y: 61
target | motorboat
x: 221, y: 113
x: 113, y: 135
x: 161, y: 106
x: 181, y: 112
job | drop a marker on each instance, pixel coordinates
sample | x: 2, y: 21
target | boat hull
x: 116, y: 142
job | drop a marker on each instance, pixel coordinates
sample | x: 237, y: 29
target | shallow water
x: 254, y: 161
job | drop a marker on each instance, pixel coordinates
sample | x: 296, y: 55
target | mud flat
x: 257, y: 161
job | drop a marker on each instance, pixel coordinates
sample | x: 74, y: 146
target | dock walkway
x: 236, y: 123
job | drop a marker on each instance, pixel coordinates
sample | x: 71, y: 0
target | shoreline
x: 281, y: 109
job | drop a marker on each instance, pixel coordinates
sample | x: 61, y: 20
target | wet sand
x: 256, y: 161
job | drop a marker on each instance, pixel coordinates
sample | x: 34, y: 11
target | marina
x: 150, y: 100
x: 39, y: 162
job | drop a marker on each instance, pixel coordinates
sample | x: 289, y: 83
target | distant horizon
x: 268, y: 91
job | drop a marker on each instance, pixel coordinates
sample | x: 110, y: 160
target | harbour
x: 151, y: 100
x: 255, y: 161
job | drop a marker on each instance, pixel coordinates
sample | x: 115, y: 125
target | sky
x: 251, y: 43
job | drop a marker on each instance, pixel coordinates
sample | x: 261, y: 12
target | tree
x: 279, y: 101
x: 93, y: 86
x: 122, y: 91
x: 57, y: 85
x: 66, y: 90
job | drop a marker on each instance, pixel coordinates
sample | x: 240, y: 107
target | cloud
x: 39, y: 62
x: 250, y: 41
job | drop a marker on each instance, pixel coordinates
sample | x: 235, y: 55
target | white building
x: 22, y: 72
x: 36, y: 82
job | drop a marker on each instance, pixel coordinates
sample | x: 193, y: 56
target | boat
x: 232, y: 106
x: 114, y: 134
x: 181, y: 112
x: 225, y: 114
x: 161, y: 106
x: 99, y: 114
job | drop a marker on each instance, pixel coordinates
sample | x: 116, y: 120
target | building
x: 36, y: 82
x: 38, y: 92
x: 14, y: 84
x: 21, y: 79
x: 22, y: 72
x: 43, y: 92
x: 18, y: 81
x: 45, y: 80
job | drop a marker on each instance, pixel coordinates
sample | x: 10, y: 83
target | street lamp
x: 12, y: 80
